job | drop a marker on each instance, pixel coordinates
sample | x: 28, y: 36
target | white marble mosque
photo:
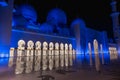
x: 55, y: 29
x: 22, y: 24
x: 51, y: 44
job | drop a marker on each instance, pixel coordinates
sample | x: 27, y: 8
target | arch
x: 21, y: 44
x: 61, y: 46
x: 66, y: 46
x: 30, y: 44
x: 38, y: 45
x: 70, y: 46
x: 56, y: 46
x: 51, y: 46
x: 45, y: 45
x: 95, y: 43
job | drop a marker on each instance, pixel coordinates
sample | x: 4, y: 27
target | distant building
x: 116, y: 26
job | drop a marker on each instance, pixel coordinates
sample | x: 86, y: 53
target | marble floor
x: 81, y: 68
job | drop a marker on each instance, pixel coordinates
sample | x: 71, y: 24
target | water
x: 54, y: 62
x: 53, y: 66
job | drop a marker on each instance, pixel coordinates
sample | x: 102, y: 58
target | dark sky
x: 95, y: 13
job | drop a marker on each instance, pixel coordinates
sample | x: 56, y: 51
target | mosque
x: 21, y: 23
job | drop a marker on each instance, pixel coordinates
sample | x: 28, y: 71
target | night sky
x: 95, y: 13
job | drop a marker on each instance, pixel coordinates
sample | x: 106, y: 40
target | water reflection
x: 26, y: 62
x: 97, y: 62
x: 37, y: 64
x: 70, y: 59
x: 37, y: 52
x: 74, y: 54
x: 91, y: 62
x: 20, y: 62
x: 102, y: 54
x: 66, y: 55
x: 90, y: 53
x: 44, y: 62
x: 10, y: 64
x: 51, y: 63
x: 61, y: 58
x: 29, y: 64
x: 20, y: 52
x: 56, y: 61
x: 66, y: 60
x: 102, y: 58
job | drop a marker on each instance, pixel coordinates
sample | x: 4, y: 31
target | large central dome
x: 56, y: 16
x: 28, y: 12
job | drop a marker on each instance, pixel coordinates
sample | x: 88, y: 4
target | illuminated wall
x: 85, y: 35
x: 78, y: 30
x: 100, y: 36
x: 54, y: 29
x: 26, y: 35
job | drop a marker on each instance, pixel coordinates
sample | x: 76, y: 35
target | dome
x: 46, y: 28
x: 77, y: 24
x: 78, y: 21
x: 56, y: 16
x: 28, y: 12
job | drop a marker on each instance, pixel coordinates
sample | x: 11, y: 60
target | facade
x: 55, y: 29
x: 24, y: 26
x: 84, y: 35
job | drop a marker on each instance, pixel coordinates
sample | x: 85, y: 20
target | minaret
x: 115, y: 21
x: 5, y: 26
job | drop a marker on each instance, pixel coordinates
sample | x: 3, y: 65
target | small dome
x: 28, y: 12
x: 46, y: 28
x: 79, y: 22
x: 56, y: 16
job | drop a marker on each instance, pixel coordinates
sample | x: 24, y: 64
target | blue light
x: 4, y: 51
x: 14, y: 10
x: 13, y: 23
x: 4, y: 61
x: 4, y: 55
x: 3, y: 3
